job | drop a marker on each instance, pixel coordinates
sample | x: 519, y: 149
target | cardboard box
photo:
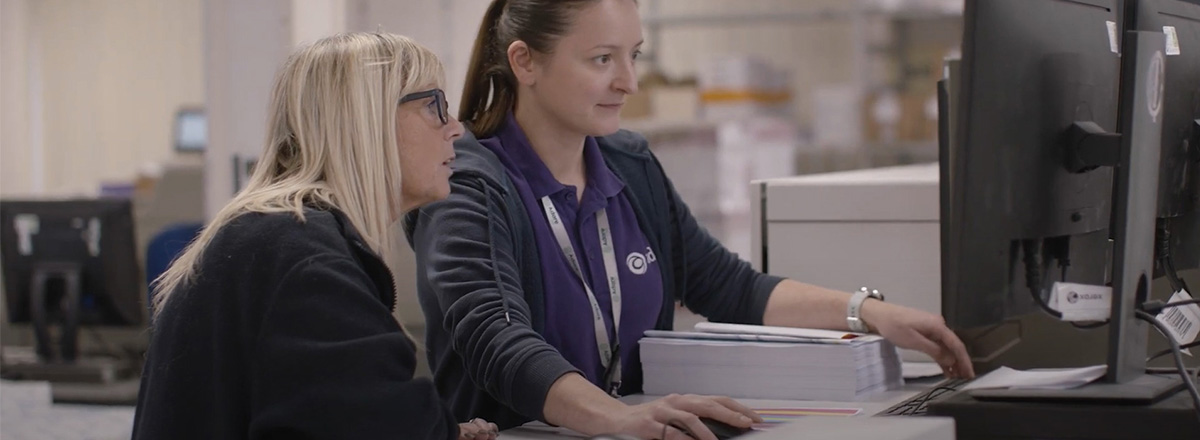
x: 916, y: 123
x: 736, y: 87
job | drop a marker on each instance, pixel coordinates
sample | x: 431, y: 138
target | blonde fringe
x: 331, y: 142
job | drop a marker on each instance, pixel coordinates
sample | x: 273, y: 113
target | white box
x: 877, y: 228
x: 710, y: 165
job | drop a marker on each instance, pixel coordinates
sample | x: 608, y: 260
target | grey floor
x: 26, y: 413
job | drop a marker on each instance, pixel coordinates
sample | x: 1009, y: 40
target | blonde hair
x: 331, y: 141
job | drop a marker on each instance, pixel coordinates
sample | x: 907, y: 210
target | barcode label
x: 1183, y: 322
x: 1172, y: 40
x: 1177, y: 320
x: 1112, y: 37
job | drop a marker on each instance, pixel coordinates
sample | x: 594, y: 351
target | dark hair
x: 539, y: 23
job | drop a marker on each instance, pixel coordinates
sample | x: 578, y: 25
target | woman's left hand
x: 918, y: 330
x: 478, y: 429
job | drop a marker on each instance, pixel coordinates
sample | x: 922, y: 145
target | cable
x: 1177, y: 283
x: 1091, y: 325
x: 1031, y: 250
x: 1165, y: 352
x: 1183, y: 372
x: 1165, y: 259
x: 1060, y: 249
x: 1154, y: 307
x: 1035, y: 267
x: 1194, y: 371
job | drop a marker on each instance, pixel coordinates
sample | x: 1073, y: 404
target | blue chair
x: 163, y: 248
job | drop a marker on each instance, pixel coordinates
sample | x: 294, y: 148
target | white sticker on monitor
x: 1183, y: 321
x: 1113, y: 41
x: 1172, y: 40
x: 26, y: 226
x: 1081, y: 302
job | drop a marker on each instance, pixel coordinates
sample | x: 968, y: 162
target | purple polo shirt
x: 569, y: 325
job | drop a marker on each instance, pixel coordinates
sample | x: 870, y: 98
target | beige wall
x: 445, y: 26
x: 16, y: 157
x: 101, y: 80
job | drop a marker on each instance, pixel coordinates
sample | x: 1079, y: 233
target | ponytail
x: 490, y: 90
x: 488, y: 76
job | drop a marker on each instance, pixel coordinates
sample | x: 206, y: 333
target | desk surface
x: 876, y: 404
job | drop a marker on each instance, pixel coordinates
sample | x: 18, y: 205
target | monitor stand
x: 63, y: 365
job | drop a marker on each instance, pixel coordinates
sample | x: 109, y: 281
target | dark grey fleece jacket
x: 286, y: 333
x: 480, y: 284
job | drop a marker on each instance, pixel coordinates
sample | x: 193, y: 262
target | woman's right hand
x: 477, y: 429
x: 660, y: 418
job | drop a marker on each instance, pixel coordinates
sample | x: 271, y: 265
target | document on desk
x: 1039, y: 378
x: 768, y: 363
x: 740, y: 337
x: 919, y: 370
x: 803, y: 333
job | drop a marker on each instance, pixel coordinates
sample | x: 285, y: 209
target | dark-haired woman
x: 562, y: 242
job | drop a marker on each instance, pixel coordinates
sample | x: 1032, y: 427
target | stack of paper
x: 759, y: 362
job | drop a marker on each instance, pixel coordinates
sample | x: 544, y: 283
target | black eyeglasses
x: 438, y: 104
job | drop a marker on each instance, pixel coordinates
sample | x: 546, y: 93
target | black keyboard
x: 916, y: 405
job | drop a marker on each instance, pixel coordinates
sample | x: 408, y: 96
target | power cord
x: 1035, y: 267
x: 1165, y: 260
x: 1165, y: 352
x: 1154, y: 307
x: 1031, y: 251
x: 1178, y: 352
x: 1090, y: 325
x: 1194, y: 372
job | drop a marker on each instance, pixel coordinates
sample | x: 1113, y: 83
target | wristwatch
x: 854, y: 309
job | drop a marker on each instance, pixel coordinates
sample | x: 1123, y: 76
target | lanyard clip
x: 612, y: 375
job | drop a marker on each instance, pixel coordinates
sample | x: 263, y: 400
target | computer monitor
x: 191, y: 130
x: 1042, y: 83
x: 1178, y: 234
x: 70, y: 262
x: 1032, y: 73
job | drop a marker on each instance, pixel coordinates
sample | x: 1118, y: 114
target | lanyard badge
x: 610, y: 352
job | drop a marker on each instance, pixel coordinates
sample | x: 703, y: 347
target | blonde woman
x: 276, y: 322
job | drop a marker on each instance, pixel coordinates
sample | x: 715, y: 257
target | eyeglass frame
x: 439, y: 98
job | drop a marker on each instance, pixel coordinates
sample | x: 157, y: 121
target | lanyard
x: 610, y: 356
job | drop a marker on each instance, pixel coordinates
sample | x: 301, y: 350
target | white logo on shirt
x: 639, y: 263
